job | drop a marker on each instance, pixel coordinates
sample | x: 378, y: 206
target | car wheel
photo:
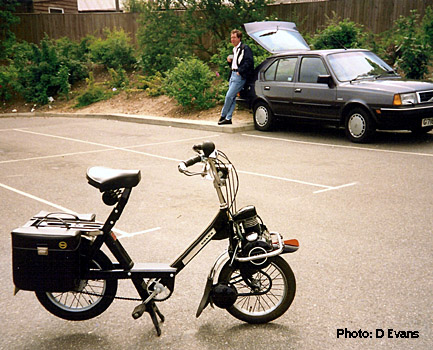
x: 359, y: 126
x: 263, y: 117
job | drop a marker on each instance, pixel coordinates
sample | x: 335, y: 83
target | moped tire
x: 276, y: 279
x: 91, y: 298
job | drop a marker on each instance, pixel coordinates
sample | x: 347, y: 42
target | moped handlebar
x: 206, y: 148
x: 187, y: 163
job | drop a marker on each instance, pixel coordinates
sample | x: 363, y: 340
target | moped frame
x: 125, y: 268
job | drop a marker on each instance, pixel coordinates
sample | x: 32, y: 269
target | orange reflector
x: 397, y: 100
x: 293, y: 242
x: 113, y: 236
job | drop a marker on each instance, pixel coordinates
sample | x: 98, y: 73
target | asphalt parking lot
x: 362, y: 214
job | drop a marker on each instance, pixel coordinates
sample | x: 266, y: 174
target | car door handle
x: 267, y: 88
x: 298, y: 90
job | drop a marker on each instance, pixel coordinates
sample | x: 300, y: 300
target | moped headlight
x: 405, y: 99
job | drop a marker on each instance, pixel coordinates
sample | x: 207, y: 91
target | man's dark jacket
x: 245, y: 61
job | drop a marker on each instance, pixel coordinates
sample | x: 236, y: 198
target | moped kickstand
x: 153, y: 311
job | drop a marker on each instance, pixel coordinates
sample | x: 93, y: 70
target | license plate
x: 427, y: 122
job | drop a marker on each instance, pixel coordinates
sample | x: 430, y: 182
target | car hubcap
x: 356, y: 125
x: 261, y: 115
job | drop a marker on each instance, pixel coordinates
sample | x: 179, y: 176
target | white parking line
x: 126, y: 149
x: 129, y: 149
x: 121, y: 233
x: 285, y: 179
x: 336, y: 187
x: 340, y: 146
x: 125, y: 234
x: 93, y: 151
x: 53, y: 156
x: 28, y: 195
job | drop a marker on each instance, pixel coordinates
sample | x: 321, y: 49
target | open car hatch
x: 276, y: 36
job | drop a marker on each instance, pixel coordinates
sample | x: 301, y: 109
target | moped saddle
x: 106, y: 179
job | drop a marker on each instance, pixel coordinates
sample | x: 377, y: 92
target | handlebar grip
x: 192, y: 160
x: 207, y: 147
x: 187, y: 163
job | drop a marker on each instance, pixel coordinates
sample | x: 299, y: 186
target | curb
x: 144, y: 119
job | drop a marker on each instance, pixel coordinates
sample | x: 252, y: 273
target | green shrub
x: 92, y: 94
x: 407, y: 46
x: 153, y: 84
x: 41, y: 74
x: 190, y: 84
x: 7, y: 19
x: 75, y: 56
x: 119, y: 79
x: 162, y: 38
x: 8, y: 75
x: 414, y: 53
x: 115, y: 51
x: 427, y: 28
x: 340, y: 34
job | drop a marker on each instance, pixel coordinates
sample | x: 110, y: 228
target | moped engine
x: 254, y: 237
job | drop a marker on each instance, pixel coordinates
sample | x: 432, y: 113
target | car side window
x: 311, y: 68
x: 286, y: 69
x: 270, y: 72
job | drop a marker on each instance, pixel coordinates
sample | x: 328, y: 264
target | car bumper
x: 404, y: 117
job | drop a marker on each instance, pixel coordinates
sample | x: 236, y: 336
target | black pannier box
x: 46, y: 258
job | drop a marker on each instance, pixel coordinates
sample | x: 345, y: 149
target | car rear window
x: 282, y: 69
x: 286, y: 69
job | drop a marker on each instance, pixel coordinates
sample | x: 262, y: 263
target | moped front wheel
x: 90, y: 299
x: 265, y: 295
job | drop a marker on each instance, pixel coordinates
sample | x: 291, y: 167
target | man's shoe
x: 224, y: 121
x: 221, y: 119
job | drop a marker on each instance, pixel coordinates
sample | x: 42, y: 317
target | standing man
x: 242, y: 65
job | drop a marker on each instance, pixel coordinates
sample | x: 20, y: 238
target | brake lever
x: 182, y: 167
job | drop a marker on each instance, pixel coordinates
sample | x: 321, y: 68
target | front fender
x: 351, y: 104
x: 211, y: 280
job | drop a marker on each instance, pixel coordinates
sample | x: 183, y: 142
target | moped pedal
x: 138, y: 311
x: 153, y: 311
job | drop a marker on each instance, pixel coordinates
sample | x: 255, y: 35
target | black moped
x: 59, y: 256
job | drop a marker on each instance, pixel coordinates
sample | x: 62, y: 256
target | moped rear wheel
x: 91, y: 298
x: 266, y: 295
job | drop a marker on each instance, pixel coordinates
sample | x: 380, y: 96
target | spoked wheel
x: 266, y: 295
x: 91, y: 298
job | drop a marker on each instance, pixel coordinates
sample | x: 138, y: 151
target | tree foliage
x: 170, y: 29
x: 7, y: 19
x: 408, y: 45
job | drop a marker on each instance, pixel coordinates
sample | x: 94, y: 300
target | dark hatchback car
x: 353, y: 88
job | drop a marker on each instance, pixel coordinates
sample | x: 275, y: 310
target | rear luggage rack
x: 84, y: 222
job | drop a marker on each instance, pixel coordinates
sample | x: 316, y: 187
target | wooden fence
x: 375, y: 15
x: 32, y: 27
